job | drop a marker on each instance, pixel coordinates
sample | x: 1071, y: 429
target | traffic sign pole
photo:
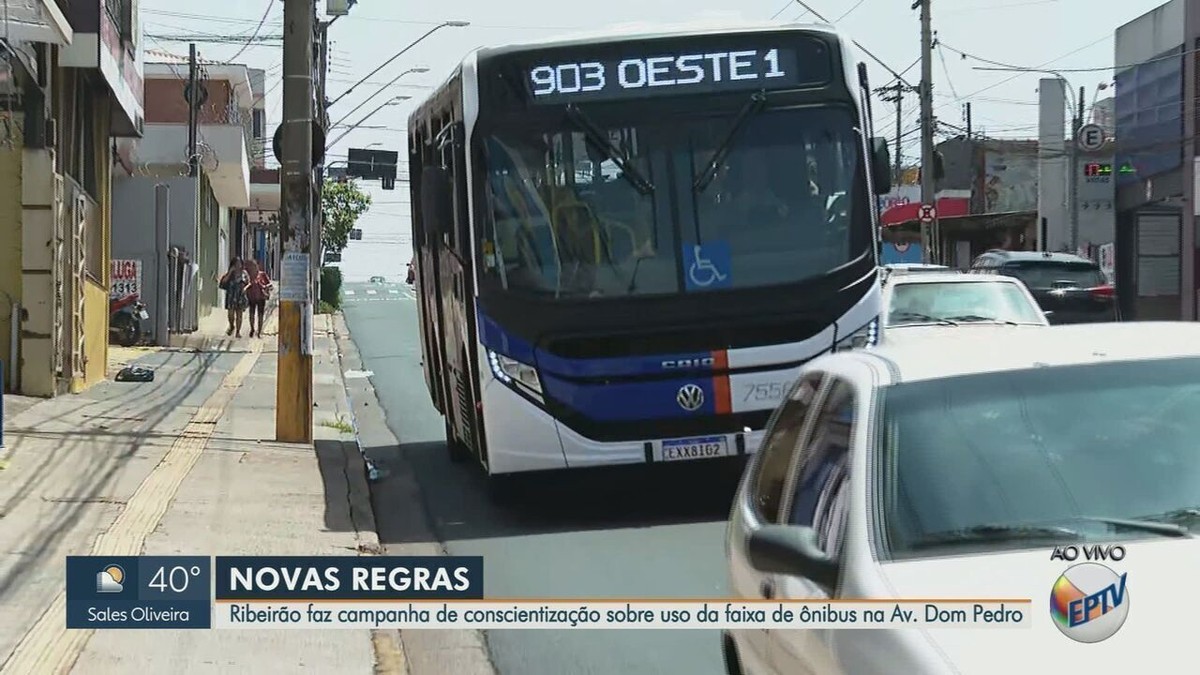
x: 927, y: 214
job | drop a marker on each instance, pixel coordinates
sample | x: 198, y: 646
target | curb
x: 420, y: 652
x: 358, y: 481
x: 386, y: 648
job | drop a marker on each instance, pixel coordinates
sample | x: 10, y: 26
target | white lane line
x: 371, y: 291
x: 349, y: 292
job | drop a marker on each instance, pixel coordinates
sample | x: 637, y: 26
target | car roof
x: 955, y: 353
x: 1040, y: 256
x: 948, y: 277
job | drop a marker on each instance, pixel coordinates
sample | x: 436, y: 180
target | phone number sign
x: 125, y: 278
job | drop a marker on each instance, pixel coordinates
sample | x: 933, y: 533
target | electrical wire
x: 849, y: 11
x: 946, y: 70
x: 783, y: 9
x: 257, y: 30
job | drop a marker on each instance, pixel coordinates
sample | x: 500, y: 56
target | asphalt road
x: 625, y: 534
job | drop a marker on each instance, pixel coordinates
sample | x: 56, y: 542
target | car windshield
x: 1067, y: 446
x: 567, y: 221
x: 963, y: 301
x: 1044, y: 275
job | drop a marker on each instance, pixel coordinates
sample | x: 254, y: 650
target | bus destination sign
x: 698, y: 72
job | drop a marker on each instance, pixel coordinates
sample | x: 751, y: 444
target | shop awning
x: 947, y: 207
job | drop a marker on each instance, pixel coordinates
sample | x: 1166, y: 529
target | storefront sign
x: 125, y: 278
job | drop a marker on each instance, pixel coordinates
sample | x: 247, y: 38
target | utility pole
x: 294, y: 386
x: 192, y: 95
x: 894, y: 93
x: 970, y: 135
x: 162, y: 262
x: 318, y: 259
x: 930, y: 235
x: 1073, y: 177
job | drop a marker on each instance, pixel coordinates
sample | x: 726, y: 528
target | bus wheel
x: 458, y: 451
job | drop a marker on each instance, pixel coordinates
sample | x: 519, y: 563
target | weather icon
x: 111, y: 579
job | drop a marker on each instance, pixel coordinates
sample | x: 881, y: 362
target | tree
x: 341, y: 204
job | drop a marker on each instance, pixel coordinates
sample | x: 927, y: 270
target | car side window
x: 821, y: 484
x: 779, y: 448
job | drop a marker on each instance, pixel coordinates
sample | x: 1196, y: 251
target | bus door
x: 457, y: 294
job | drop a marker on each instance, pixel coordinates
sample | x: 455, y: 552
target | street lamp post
x: 378, y: 92
x: 391, y: 101
x: 414, y: 43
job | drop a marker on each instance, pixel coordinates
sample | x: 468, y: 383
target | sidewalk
x: 184, y: 465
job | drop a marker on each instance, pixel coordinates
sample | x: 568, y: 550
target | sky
x: 1074, y: 37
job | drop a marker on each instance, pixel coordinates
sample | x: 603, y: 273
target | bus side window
x: 415, y: 164
x: 458, y: 173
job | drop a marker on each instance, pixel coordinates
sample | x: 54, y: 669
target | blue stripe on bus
x: 629, y: 401
x: 630, y: 366
x: 494, y: 337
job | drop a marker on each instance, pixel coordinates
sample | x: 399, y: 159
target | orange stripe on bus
x: 723, y: 398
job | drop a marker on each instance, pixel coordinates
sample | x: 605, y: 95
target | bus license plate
x: 694, y: 448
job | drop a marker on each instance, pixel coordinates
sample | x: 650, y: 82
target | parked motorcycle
x: 125, y: 317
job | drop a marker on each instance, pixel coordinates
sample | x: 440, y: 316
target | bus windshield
x: 786, y: 202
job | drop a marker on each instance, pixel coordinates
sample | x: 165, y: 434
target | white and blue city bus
x: 626, y: 245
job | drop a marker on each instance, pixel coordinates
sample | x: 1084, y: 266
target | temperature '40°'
x: 175, y: 579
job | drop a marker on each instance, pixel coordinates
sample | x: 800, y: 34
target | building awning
x: 968, y: 222
x: 36, y: 21
x: 947, y: 207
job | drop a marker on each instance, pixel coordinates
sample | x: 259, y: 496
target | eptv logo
x: 1090, y: 602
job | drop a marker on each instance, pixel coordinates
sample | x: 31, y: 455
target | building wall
x: 210, y: 241
x: 1153, y: 109
x: 95, y: 288
x: 1010, y: 177
x: 165, y: 103
x: 10, y: 250
x: 134, y: 238
x: 1053, y: 219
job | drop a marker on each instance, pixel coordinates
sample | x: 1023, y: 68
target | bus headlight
x: 510, y: 371
x: 867, y: 336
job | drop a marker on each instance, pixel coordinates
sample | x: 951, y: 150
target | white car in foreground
x: 950, y: 468
x: 928, y: 302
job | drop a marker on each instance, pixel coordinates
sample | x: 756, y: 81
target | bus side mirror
x: 881, y: 166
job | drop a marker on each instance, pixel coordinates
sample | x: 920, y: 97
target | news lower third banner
x: 442, y: 593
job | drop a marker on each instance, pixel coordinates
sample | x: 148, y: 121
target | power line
x: 257, y: 30
x: 858, y: 44
x: 946, y: 69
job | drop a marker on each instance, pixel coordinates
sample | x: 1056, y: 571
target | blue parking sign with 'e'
x: 708, y: 266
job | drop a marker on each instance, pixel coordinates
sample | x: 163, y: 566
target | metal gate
x: 61, y: 210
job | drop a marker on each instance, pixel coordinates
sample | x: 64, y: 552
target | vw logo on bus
x: 690, y: 397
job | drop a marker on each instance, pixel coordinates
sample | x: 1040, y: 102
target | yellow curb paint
x: 49, y: 647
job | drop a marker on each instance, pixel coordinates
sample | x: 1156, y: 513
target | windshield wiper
x: 757, y: 102
x: 923, y: 317
x: 999, y: 533
x: 973, y: 318
x: 612, y: 152
x: 1144, y: 525
x: 1174, y: 518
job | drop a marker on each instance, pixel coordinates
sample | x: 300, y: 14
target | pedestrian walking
x: 234, y: 282
x: 258, y: 293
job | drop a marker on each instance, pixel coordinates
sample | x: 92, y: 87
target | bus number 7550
x: 769, y: 391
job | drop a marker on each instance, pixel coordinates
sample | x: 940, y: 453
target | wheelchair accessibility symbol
x: 707, y: 265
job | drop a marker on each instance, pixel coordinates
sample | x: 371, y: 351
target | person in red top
x: 257, y: 293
